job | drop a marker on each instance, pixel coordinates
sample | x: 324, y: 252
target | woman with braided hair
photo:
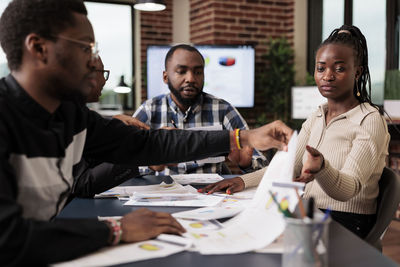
x: 342, y: 147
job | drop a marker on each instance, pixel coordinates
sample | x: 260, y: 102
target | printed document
x: 197, y: 178
x: 126, y: 191
x: 163, y: 246
x: 191, y: 200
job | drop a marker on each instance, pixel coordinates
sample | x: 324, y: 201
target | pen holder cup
x: 306, y: 242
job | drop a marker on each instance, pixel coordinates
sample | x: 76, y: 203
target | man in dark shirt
x: 45, y: 130
x: 93, y: 177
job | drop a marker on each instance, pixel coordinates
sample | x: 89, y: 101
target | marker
x: 173, y: 123
x: 310, y: 208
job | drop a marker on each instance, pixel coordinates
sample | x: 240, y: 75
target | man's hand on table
x: 144, y: 224
x: 229, y: 185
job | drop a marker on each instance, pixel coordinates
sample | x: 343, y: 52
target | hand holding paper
x: 273, y: 135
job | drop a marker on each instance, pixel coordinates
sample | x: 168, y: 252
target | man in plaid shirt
x: 187, y: 106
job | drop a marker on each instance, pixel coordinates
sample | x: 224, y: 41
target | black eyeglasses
x: 106, y: 73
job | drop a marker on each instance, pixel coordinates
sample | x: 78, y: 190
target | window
x: 370, y: 17
x: 112, y: 25
x: 332, y: 16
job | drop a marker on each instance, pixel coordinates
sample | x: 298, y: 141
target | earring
x: 358, y: 90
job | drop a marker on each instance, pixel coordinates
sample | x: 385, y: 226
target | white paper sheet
x: 140, y: 197
x: 194, y: 226
x: 230, y: 206
x: 125, y: 253
x: 209, y: 213
x: 246, y: 194
x: 199, y: 201
x: 197, y: 178
x: 126, y: 191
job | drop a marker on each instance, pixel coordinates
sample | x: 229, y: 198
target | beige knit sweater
x: 355, y: 147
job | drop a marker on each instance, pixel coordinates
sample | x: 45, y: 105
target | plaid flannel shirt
x: 209, y: 110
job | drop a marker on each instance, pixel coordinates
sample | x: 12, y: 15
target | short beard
x: 188, y: 102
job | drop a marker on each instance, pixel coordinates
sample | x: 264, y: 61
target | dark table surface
x: 345, y: 249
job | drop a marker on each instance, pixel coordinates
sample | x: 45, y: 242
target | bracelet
x: 116, y: 229
x: 237, y: 138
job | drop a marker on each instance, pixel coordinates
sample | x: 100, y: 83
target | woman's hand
x: 230, y: 185
x: 313, y: 164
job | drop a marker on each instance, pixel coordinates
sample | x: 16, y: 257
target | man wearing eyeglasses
x: 97, y: 81
x: 45, y: 130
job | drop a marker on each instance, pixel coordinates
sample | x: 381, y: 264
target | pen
x: 301, y: 206
x: 173, y: 123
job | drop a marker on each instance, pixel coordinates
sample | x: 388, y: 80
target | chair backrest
x: 387, y: 204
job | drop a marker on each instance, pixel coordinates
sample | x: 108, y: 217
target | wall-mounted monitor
x: 228, y: 72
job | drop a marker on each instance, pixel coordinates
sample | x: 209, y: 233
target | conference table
x: 345, y: 248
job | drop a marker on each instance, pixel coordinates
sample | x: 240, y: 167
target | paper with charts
x: 173, y: 200
x: 178, y: 196
x: 230, y: 206
x: 197, y: 178
x: 126, y: 191
x: 260, y: 223
x: 163, y: 246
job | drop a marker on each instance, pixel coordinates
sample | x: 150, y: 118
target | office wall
x: 180, y: 21
x: 300, y: 39
x: 221, y: 22
x: 243, y: 22
x: 155, y: 29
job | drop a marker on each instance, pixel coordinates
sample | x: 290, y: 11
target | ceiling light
x: 150, y: 5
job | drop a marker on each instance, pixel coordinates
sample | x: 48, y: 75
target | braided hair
x: 352, y: 37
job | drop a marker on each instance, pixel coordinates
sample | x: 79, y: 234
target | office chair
x: 387, y: 204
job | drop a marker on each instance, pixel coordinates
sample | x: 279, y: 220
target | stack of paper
x: 230, y: 206
x: 185, y: 200
x: 126, y: 191
x: 197, y: 178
